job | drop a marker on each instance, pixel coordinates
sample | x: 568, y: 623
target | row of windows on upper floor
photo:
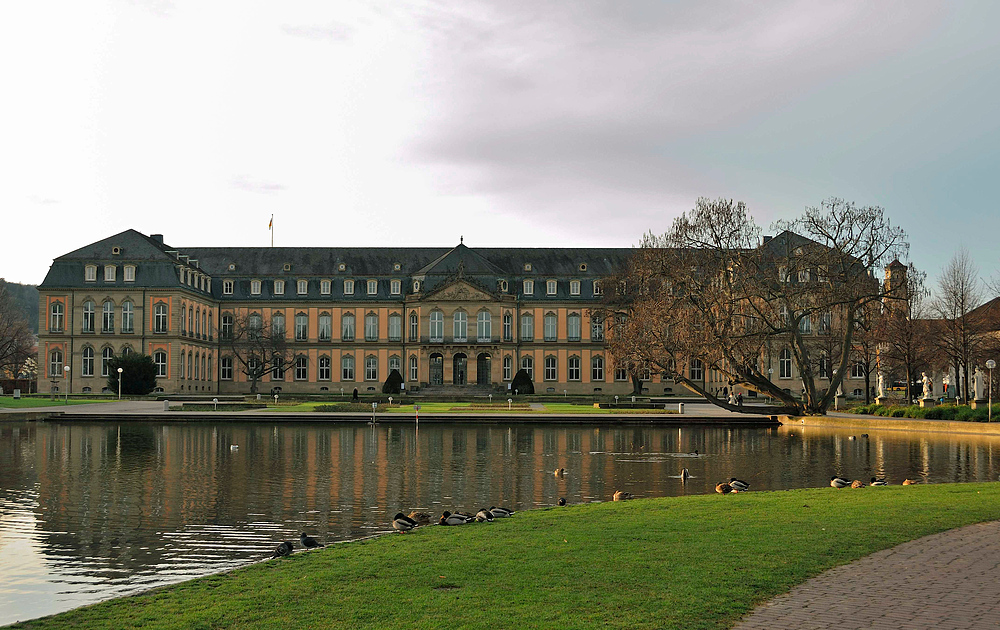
x: 459, y: 328
x: 187, y: 276
x: 57, y: 317
x: 396, y: 287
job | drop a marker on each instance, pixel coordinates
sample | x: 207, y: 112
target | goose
x: 857, y: 483
x: 910, y: 482
x: 484, y: 516
x: 740, y: 486
x: 878, y: 482
x: 403, y: 523
x: 447, y: 518
x: 623, y: 496
x: 422, y: 518
x: 284, y: 549
x: 309, y: 542
x: 499, y: 512
x: 839, y: 482
x: 561, y: 501
x: 723, y: 488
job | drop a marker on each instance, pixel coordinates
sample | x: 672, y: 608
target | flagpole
x: 270, y: 226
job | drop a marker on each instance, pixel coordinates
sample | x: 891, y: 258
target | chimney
x: 767, y: 238
x: 157, y: 237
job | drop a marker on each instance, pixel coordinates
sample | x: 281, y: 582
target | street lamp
x: 120, y: 370
x: 66, y: 382
x: 989, y: 414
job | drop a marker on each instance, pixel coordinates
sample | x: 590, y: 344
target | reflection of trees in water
x: 105, y: 495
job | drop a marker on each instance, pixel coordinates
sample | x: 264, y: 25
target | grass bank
x: 7, y: 402
x: 958, y: 413
x: 688, y: 562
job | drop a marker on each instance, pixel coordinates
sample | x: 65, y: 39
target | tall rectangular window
x: 371, y: 327
x: 371, y: 368
x: 414, y: 374
x: 414, y: 327
x: 549, y: 330
x: 325, y: 327
x: 508, y: 368
x: 325, y: 368
x: 596, y: 328
x: 128, y: 317
x: 160, y: 318
x: 527, y: 327
x: 437, y: 326
x: 573, y: 327
x: 550, y: 368
x: 395, y: 327
x: 347, y: 327
x: 508, y: 326
x: 226, y: 368
x: 347, y: 368
x: 88, y: 317
x: 108, y: 319
x: 301, y: 327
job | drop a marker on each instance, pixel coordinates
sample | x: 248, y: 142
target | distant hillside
x: 26, y: 300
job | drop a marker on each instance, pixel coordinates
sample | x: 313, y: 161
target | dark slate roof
x: 154, y: 266
x: 469, y: 261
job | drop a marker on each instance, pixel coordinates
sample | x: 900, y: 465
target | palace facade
x: 444, y: 318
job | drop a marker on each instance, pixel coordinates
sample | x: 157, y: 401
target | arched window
x: 190, y: 373
x: 508, y: 368
x: 573, y: 327
x: 160, y: 318
x: 88, y: 316
x: 858, y: 369
x: 126, y: 350
x: 347, y: 333
x: 204, y: 330
x: 278, y: 325
x: 206, y: 370
x: 528, y: 365
x: 785, y: 364
x: 324, y: 369
x: 437, y: 326
x: 197, y: 322
x: 371, y: 327
x: 106, y: 355
x: 527, y: 327
x: 226, y: 368
x: 56, y: 363
x: 597, y: 368
x: 183, y: 372
x: 325, y: 327
x: 484, y: 327
x: 210, y: 331
x: 347, y: 368
x: 371, y: 368
x: 395, y: 327
x: 88, y: 361
x: 596, y: 328
x: 414, y: 370
x: 277, y: 368
x: 160, y: 361
x: 108, y: 319
x: 197, y: 372
x: 805, y: 325
x: 226, y: 332
x: 550, y: 327
x: 414, y: 327
x: 396, y: 364
x: 190, y: 328
x: 508, y: 326
x: 697, y: 370
x: 573, y: 368
x: 460, y: 330
x: 128, y: 317
x: 301, y: 327
x: 550, y: 368
x: 301, y: 369
x: 56, y: 318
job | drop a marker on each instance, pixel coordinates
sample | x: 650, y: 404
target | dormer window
x: 90, y: 273
x: 129, y: 273
x: 503, y: 286
x: 286, y: 267
x: 324, y: 287
x: 416, y: 286
x: 574, y: 287
x: 348, y: 287
x: 598, y: 289
x: 527, y: 266
x: 342, y: 267
x: 255, y: 287
x: 279, y: 287
x: 550, y: 287
x: 227, y: 287
x: 583, y: 266
x: 116, y: 251
x: 109, y: 273
x: 529, y: 287
x: 395, y: 287
x: 396, y: 266
x: 302, y: 287
x: 372, y: 287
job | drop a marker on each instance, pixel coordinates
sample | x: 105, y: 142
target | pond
x: 95, y: 510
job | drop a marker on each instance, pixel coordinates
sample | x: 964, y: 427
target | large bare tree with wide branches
x: 712, y: 290
x: 256, y: 343
x: 16, y: 340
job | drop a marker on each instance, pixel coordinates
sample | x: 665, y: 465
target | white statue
x: 928, y: 385
x: 881, y: 384
x: 977, y: 384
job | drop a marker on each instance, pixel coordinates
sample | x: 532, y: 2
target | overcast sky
x: 509, y: 123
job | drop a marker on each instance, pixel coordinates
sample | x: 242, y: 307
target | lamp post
x: 66, y: 382
x: 989, y: 414
x: 120, y: 370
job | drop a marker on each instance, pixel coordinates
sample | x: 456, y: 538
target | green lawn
x: 687, y: 562
x: 7, y: 402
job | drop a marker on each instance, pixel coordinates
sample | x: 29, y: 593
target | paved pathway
x: 948, y: 580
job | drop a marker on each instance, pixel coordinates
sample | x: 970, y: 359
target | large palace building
x: 444, y: 318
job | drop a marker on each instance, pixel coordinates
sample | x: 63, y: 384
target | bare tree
x: 16, y: 340
x: 256, y: 343
x: 904, y: 329
x: 960, y: 292
x: 711, y: 294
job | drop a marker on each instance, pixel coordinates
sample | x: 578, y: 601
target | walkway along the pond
x: 947, y: 580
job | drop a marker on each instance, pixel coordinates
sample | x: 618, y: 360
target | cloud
x: 330, y: 32
x: 245, y: 182
x: 162, y: 8
x: 42, y: 201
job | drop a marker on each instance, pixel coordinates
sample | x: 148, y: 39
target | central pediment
x: 460, y: 291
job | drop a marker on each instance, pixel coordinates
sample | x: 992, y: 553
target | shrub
x: 138, y: 374
x: 522, y: 383
x: 392, y: 383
